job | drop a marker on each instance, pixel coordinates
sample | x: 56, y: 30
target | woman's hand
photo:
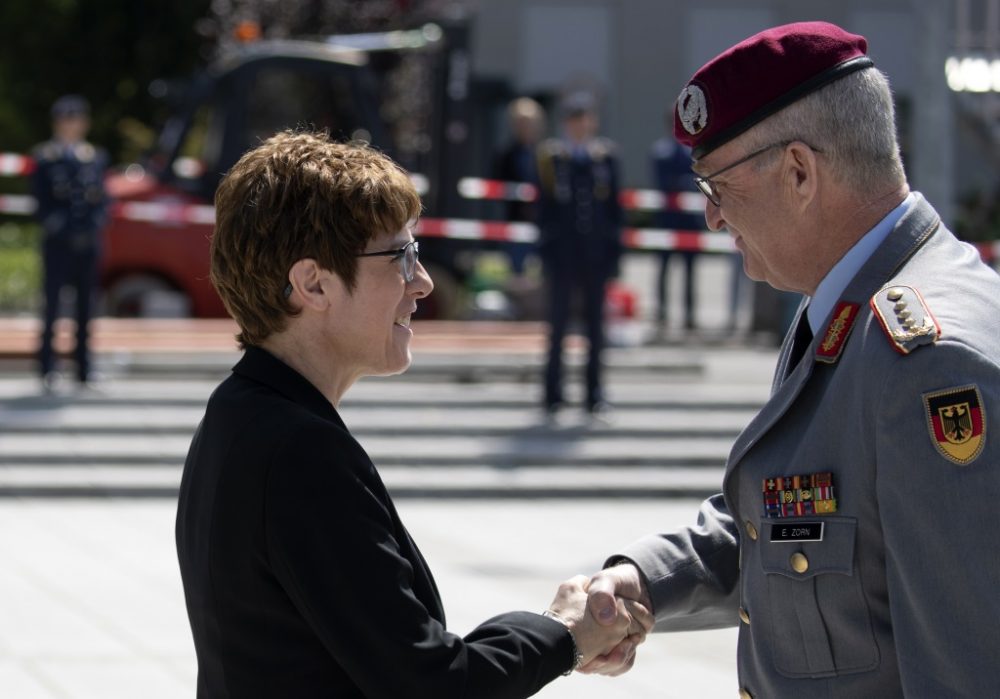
x: 593, y: 638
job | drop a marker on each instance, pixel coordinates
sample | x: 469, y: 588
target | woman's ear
x: 306, y: 279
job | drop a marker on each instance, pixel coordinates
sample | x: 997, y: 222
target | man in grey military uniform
x: 854, y: 540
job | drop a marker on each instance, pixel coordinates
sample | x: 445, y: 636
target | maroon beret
x: 759, y: 76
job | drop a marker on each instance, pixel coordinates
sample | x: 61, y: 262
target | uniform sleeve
x: 41, y: 190
x: 545, y: 175
x: 546, y: 210
x: 692, y: 573
x: 939, y: 520
x: 334, y: 548
x: 101, y: 209
x: 616, y: 216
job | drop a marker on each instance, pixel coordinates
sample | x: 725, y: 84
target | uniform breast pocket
x: 819, y: 622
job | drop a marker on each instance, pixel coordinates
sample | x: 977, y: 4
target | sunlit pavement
x: 91, y: 602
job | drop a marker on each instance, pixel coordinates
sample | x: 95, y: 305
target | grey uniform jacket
x: 901, y: 596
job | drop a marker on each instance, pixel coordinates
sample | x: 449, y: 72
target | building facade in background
x: 637, y: 54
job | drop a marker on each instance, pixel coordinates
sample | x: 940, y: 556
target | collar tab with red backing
x: 905, y: 318
x: 835, y: 338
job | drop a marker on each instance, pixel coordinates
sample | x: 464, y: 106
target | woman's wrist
x: 577, y: 655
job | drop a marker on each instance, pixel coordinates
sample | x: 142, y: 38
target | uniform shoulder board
x: 601, y: 148
x: 664, y: 148
x: 552, y: 148
x: 48, y: 151
x: 905, y: 318
x: 85, y: 152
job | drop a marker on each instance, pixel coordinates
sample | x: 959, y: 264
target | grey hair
x: 852, y: 121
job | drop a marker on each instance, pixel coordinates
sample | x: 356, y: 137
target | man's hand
x: 606, y: 591
x: 593, y: 639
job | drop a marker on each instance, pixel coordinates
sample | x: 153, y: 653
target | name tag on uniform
x: 798, y: 531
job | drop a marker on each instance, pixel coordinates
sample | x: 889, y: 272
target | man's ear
x: 803, y: 172
x: 306, y: 278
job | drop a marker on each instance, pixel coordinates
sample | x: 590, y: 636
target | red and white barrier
x: 655, y: 200
x: 167, y: 213
x: 19, y: 204
x: 469, y: 229
x: 177, y: 213
x: 16, y: 165
x: 682, y: 241
x: 634, y: 238
x: 637, y: 199
x: 478, y: 188
x: 653, y: 239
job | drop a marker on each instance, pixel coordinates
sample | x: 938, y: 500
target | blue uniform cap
x: 578, y: 103
x: 70, y: 105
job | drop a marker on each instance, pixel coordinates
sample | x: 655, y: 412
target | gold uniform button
x: 800, y: 564
x: 894, y: 294
x: 744, y: 616
x: 744, y: 694
x: 751, y: 530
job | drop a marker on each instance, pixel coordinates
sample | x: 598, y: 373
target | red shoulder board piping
x: 905, y: 318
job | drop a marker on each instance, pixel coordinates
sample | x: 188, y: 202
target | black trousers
x: 565, y: 281
x: 67, y: 265
x: 662, y: 302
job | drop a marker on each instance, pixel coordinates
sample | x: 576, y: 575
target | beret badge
x: 692, y: 109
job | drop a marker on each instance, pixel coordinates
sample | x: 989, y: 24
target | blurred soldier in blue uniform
x: 672, y: 173
x: 580, y: 220
x: 68, y: 184
x: 516, y: 163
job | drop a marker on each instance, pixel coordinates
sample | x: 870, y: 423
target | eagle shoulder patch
x: 956, y: 419
x: 905, y: 318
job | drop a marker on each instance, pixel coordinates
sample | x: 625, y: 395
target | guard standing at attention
x: 671, y: 166
x: 580, y: 219
x: 517, y: 163
x: 68, y: 184
x: 853, y: 541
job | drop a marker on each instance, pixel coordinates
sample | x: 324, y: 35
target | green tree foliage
x: 106, y: 50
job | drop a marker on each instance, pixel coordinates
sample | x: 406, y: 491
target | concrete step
x: 525, y: 449
x: 442, y: 433
x: 733, y: 393
x: 463, y: 482
x: 372, y: 420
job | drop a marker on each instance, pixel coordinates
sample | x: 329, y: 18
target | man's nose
x: 713, y: 216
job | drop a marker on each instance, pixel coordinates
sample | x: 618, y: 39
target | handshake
x: 608, y: 615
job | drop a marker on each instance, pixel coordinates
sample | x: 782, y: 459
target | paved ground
x: 91, y: 604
